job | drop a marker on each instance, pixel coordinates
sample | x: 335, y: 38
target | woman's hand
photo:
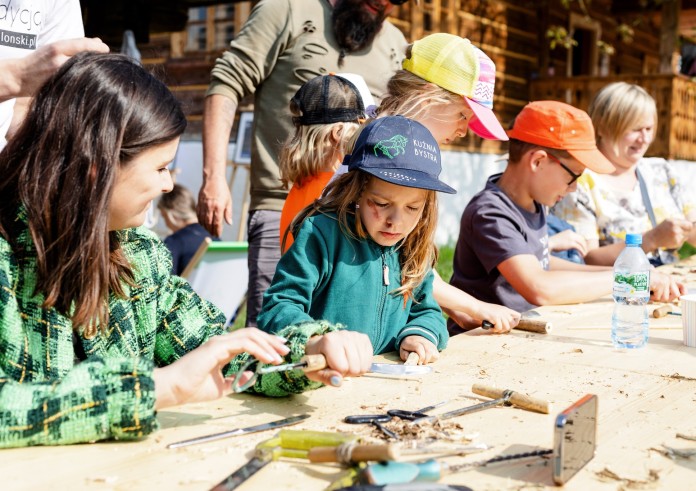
x: 426, y: 350
x: 665, y: 288
x: 348, y: 354
x: 669, y: 234
x: 197, y: 376
x: 568, y: 239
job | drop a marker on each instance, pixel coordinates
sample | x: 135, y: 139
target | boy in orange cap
x: 502, y: 255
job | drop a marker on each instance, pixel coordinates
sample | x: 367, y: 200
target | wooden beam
x: 669, y: 31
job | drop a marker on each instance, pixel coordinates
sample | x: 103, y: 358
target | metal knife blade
x: 242, y: 474
x: 282, y: 368
x: 241, y: 431
x: 399, y: 369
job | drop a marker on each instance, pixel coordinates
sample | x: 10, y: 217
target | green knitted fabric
x: 47, y: 398
x: 280, y: 384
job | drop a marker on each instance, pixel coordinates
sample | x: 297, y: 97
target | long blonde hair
x: 311, y: 147
x: 417, y: 252
x: 410, y: 96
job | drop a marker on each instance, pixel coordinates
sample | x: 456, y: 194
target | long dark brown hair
x: 95, y: 114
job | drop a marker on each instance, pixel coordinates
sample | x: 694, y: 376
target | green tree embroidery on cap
x: 396, y: 144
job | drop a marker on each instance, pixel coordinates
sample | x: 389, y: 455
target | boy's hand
x: 502, y: 318
x: 348, y: 354
x: 566, y: 240
x: 427, y: 351
x: 462, y: 319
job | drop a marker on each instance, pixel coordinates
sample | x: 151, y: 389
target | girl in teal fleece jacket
x: 363, y: 253
x: 96, y: 335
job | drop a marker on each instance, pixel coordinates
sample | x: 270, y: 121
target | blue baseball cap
x: 400, y: 151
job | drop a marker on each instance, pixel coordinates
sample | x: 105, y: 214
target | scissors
x: 308, y: 363
x: 376, y: 420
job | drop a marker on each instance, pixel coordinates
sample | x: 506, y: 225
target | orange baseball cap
x: 554, y: 124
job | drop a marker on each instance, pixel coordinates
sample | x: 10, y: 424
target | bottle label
x: 632, y: 284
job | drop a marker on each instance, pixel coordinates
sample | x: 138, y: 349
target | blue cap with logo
x: 400, y: 151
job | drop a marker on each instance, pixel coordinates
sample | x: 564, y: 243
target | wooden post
x: 669, y: 30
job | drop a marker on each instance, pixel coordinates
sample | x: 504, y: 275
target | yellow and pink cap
x: 453, y: 63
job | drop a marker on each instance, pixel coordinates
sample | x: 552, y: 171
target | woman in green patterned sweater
x: 95, y: 334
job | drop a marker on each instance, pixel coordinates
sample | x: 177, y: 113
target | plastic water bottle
x: 629, y: 323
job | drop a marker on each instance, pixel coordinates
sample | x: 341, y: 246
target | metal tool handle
x: 314, y: 362
x: 356, y: 453
x: 501, y: 458
x: 460, y: 412
x: 518, y: 399
x: 359, y: 419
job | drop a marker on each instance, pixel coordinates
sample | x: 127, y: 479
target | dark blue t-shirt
x: 493, y: 229
x: 184, y: 243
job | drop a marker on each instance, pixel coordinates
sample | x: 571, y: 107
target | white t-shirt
x: 28, y: 24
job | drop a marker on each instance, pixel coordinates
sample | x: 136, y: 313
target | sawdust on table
x: 651, y: 482
x: 443, y: 431
x: 676, y: 376
x: 675, y: 453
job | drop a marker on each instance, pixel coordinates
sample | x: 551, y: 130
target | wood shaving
x: 651, y: 482
x: 675, y: 453
x: 676, y: 376
x: 686, y: 437
x: 103, y: 479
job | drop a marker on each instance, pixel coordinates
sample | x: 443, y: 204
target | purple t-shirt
x: 493, y: 229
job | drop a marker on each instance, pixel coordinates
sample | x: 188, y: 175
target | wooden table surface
x: 647, y: 398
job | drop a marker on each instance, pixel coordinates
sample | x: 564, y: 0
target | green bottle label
x: 632, y: 284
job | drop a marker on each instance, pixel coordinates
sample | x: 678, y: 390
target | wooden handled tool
x: 534, y: 325
x: 526, y: 324
x: 518, y: 399
x: 314, y: 362
x: 353, y: 453
x: 308, y: 363
x: 661, y: 311
x: 412, y: 359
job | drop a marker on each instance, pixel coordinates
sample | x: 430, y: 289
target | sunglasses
x: 573, y: 175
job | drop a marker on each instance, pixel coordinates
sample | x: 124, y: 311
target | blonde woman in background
x: 641, y: 196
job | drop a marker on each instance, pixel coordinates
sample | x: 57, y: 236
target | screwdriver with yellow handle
x: 287, y: 443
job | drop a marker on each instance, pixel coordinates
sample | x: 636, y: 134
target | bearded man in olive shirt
x: 283, y: 44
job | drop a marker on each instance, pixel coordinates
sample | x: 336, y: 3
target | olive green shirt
x: 283, y: 44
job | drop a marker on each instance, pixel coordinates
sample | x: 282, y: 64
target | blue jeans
x: 264, y: 254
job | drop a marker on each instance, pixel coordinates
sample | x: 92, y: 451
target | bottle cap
x: 634, y: 239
